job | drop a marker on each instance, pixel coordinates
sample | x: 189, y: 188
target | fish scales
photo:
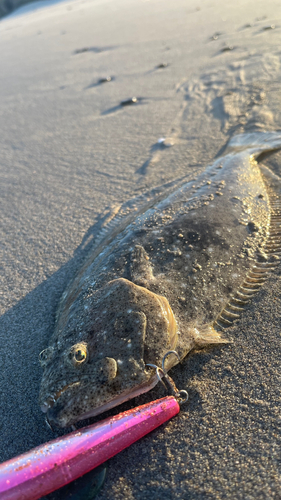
x: 158, y: 283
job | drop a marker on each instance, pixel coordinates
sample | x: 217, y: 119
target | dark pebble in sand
x: 162, y: 65
x: 271, y: 27
x: 227, y: 48
x: 97, y: 50
x: 105, y: 80
x: 129, y: 102
x: 215, y: 36
x: 164, y: 142
x: 80, y: 51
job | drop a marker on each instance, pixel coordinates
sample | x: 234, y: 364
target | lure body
x: 160, y: 277
x: 52, y: 465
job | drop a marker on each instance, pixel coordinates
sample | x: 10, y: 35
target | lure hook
x: 48, y: 424
x: 157, y: 369
x: 164, y: 358
x: 182, y: 395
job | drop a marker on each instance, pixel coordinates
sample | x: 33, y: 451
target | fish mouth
x: 51, y: 400
x: 58, y: 416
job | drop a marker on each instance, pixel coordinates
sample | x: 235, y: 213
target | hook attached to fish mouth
x: 180, y: 395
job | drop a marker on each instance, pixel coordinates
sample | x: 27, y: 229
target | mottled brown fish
x: 165, y: 274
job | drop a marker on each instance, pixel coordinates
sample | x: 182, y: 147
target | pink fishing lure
x: 56, y: 463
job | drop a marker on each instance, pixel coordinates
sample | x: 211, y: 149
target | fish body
x: 158, y: 281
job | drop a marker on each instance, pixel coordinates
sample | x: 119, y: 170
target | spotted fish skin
x: 156, y: 284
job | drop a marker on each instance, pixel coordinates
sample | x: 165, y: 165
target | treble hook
x: 157, y: 369
x: 164, y: 358
x: 182, y: 395
x: 49, y: 424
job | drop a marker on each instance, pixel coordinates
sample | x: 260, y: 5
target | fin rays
x: 259, y: 273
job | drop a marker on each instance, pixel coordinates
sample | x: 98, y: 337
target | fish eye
x: 78, y: 354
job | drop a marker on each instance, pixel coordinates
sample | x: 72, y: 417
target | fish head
x: 99, y: 359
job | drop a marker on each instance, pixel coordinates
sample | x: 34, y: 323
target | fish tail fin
x: 208, y: 336
x: 256, y: 142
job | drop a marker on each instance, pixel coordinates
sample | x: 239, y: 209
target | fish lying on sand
x: 169, y: 271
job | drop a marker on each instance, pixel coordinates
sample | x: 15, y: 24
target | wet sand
x: 70, y: 152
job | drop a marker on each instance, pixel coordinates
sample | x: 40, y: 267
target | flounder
x: 166, y: 273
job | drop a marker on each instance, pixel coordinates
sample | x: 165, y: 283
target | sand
x: 69, y: 153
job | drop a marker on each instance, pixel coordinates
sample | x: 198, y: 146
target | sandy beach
x: 202, y: 71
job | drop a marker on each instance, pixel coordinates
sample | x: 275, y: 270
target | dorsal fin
x: 261, y: 270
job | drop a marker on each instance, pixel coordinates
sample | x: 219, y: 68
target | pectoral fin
x: 207, y: 335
